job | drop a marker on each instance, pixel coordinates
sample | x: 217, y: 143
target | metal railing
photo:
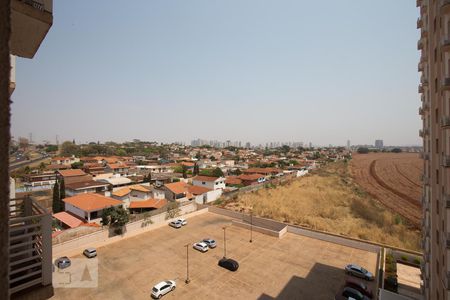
x: 30, y: 245
x: 35, y: 4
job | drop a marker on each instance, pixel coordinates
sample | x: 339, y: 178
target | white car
x: 175, y: 224
x: 90, y: 252
x: 163, y: 288
x: 201, y: 246
x: 182, y: 221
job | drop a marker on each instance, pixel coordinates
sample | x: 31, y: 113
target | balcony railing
x: 424, y: 80
x: 30, y: 245
x: 445, y: 6
x: 424, y: 178
x: 418, y: 3
x: 421, y: 111
x: 445, y: 121
x: 420, y: 89
x: 422, y: 133
x: 445, y: 161
x: 445, y: 44
x: 35, y: 4
x: 419, y: 23
x: 424, y: 156
x: 446, y: 83
x: 420, y: 66
x: 420, y: 44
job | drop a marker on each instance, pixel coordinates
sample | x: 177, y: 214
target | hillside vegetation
x: 330, y: 200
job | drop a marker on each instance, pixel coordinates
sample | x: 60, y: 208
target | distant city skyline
x: 231, y: 70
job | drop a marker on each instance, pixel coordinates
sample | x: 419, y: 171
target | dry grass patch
x: 329, y: 200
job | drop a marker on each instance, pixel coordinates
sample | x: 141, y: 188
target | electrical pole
x: 251, y: 226
x: 187, y: 264
x: 224, y: 242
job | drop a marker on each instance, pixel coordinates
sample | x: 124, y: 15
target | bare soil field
x: 393, y: 179
x: 329, y: 199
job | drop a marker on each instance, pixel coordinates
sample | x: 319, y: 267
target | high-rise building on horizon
x: 379, y: 144
x: 434, y: 87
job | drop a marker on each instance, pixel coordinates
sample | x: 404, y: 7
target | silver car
x: 90, y: 252
x: 358, y: 271
x: 175, y: 224
x: 210, y: 242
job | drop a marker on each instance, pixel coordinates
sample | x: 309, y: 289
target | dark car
x: 350, y: 293
x: 62, y: 262
x: 359, y: 286
x: 229, y: 264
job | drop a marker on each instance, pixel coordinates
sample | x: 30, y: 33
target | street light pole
x: 224, y: 242
x: 251, y: 226
x: 187, y: 264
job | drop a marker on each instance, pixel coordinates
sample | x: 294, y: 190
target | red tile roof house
x: 73, y: 175
x: 263, y: 171
x: 89, y: 206
x: 146, y: 205
x: 251, y: 179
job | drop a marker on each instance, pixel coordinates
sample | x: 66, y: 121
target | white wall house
x: 213, y: 183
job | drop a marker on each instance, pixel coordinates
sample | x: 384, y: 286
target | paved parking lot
x: 294, y: 267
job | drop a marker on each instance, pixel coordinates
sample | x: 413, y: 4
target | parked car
x: 359, y: 286
x: 200, y: 246
x: 175, y: 224
x: 349, y: 293
x: 182, y: 221
x: 90, y: 252
x: 229, y: 264
x: 163, y: 288
x: 358, y: 271
x: 62, y: 262
x: 210, y: 242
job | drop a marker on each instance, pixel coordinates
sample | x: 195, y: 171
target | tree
x: 196, y: 170
x: 217, y: 172
x: 173, y: 210
x: 116, y: 217
x: 62, y: 190
x: 285, y: 149
x: 42, y: 166
x: 184, y: 171
x: 363, y: 150
x: 27, y: 170
x: 77, y: 165
x: 198, y: 155
x: 57, y: 204
x: 69, y: 149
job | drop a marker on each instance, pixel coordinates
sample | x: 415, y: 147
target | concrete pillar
x: 5, y: 68
x: 46, y: 226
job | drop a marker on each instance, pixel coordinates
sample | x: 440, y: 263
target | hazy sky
x: 320, y: 71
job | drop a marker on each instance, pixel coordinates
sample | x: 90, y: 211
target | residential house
x: 176, y: 191
x: 251, y: 179
x: 43, y: 179
x: 90, y: 186
x: 67, y: 220
x: 117, y: 168
x: 146, y: 205
x: 64, y: 160
x: 115, y: 180
x: 232, y: 180
x: 93, y: 168
x: 213, y: 183
x: 89, y: 206
x: 73, y: 175
x: 267, y: 172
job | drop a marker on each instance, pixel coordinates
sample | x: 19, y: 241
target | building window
x: 437, y: 237
x: 437, y: 176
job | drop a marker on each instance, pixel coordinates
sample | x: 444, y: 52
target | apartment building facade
x: 434, y: 87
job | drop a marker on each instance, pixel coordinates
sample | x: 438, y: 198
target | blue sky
x: 311, y: 71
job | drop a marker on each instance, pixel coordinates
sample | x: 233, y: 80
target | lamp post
x: 251, y: 226
x: 224, y: 242
x: 187, y: 264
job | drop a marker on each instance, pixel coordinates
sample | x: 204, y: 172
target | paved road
x: 25, y: 163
